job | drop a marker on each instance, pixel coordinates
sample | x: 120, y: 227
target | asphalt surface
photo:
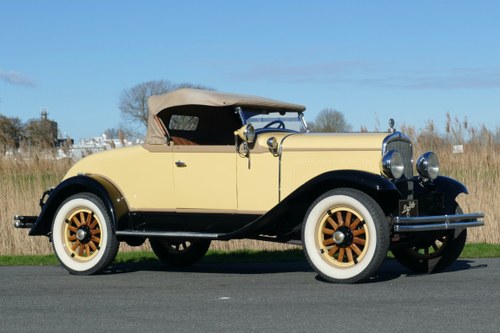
x: 268, y: 297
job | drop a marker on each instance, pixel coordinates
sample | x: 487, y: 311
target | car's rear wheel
x: 345, y: 236
x: 179, y: 252
x: 82, y: 235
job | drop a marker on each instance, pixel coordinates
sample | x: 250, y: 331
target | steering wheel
x: 280, y: 123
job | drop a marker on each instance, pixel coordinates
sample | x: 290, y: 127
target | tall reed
x: 22, y: 181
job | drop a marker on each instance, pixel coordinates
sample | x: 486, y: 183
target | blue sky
x: 371, y: 60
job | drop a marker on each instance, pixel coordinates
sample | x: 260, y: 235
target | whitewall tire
x: 82, y: 235
x: 345, y: 236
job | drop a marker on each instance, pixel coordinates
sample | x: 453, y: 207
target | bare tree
x: 10, y: 133
x: 330, y: 120
x: 41, y: 133
x: 133, y: 102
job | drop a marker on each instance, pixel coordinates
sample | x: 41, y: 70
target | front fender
x: 449, y: 188
x: 289, y: 213
x: 103, y: 188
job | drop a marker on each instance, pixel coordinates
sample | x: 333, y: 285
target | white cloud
x: 16, y: 79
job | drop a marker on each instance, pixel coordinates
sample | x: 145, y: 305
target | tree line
x: 33, y: 134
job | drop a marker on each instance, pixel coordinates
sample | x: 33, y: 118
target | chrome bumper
x: 24, y: 221
x: 432, y: 223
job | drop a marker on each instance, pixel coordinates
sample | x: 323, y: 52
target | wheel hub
x: 83, y: 234
x: 343, y: 237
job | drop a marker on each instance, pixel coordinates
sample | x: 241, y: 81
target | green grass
x: 240, y: 256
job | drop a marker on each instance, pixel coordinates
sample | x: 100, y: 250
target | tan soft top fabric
x: 157, y: 103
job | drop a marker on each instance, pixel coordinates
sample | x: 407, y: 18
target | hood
x: 334, y: 141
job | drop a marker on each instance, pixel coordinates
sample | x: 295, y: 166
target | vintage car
x: 218, y: 166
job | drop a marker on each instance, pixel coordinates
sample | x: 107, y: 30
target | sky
x: 413, y: 61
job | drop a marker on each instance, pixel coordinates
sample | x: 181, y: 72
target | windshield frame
x: 247, y: 113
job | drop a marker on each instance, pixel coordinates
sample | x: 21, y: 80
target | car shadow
x: 390, y: 269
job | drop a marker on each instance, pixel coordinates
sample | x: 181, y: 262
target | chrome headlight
x: 249, y: 133
x: 428, y: 165
x: 392, y: 165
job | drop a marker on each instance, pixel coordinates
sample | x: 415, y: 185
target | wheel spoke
x: 349, y: 255
x: 356, y: 249
x: 359, y: 241
x: 348, y: 219
x: 341, y: 255
x: 356, y: 222
x: 72, y: 238
x: 95, y: 239
x: 89, y: 219
x: 332, y: 223
x: 358, y: 232
x: 333, y: 250
x: 95, y: 232
x: 75, y: 245
x: 340, y: 219
x: 328, y: 241
x: 94, y: 223
x: 92, y: 246
x: 73, y: 228
x: 327, y: 231
x: 82, y: 218
x: 87, y: 249
x: 75, y: 219
x: 80, y: 250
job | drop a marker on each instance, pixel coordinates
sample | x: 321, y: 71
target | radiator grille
x: 402, y: 144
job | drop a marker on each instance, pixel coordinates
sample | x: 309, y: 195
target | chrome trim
x: 398, y: 136
x: 168, y: 234
x: 239, y: 111
x: 440, y: 222
x: 22, y: 222
x: 301, y: 117
x: 392, y: 137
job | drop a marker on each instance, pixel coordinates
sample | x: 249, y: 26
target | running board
x: 167, y: 234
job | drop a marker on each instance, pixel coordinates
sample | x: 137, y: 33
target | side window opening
x: 183, y: 123
x: 201, y: 125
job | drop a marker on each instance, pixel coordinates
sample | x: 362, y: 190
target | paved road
x: 277, y: 297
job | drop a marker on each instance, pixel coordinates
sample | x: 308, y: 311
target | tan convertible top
x: 157, y: 103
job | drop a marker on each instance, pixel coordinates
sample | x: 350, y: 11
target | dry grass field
x: 22, y: 181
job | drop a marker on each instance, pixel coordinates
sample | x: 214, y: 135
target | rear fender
x: 111, y: 197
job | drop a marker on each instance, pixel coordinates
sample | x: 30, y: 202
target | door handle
x: 180, y: 164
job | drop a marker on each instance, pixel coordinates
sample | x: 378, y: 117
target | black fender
x: 449, y: 188
x: 290, y: 212
x: 111, y: 197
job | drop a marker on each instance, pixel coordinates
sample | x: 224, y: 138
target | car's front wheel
x: 179, y: 252
x: 82, y: 235
x: 432, y: 254
x: 345, y: 236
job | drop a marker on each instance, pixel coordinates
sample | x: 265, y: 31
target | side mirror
x: 246, y: 133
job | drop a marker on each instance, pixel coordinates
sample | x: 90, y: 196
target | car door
x: 205, y: 177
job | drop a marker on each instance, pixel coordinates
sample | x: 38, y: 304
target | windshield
x: 262, y: 119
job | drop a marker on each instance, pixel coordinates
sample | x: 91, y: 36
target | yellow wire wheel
x: 82, y: 234
x: 345, y: 235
